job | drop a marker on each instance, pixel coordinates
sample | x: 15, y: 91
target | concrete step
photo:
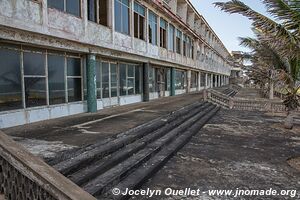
x: 105, y: 181
x: 84, y: 175
x: 100, y: 150
x: 149, y: 168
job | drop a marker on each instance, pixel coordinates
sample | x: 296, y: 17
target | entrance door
x: 109, y: 84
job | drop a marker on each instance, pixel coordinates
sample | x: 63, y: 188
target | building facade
x: 64, y: 57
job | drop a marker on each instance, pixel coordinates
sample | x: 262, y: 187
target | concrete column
x: 172, y: 81
x: 199, y: 81
x: 146, y: 91
x: 91, y: 83
x: 206, y: 81
x: 189, y: 85
x: 219, y: 81
x: 211, y: 80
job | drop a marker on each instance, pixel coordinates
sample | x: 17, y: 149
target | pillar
x: 172, y: 81
x: 91, y: 83
x: 146, y: 91
x: 189, y: 85
x: 199, y: 81
x: 206, y: 81
x: 211, y: 80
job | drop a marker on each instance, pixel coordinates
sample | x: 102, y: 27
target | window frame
x: 140, y: 17
x: 163, y: 30
x: 65, y: 8
x: 150, y: 23
x: 121, y: 14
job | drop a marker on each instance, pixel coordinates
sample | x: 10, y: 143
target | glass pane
x: 73, y: 66
x: 56, y: 79
x: 105, y: 80
x: 125, y: 18
x: 73, y: 7
x: 57, y: 4
x: 35, y: 92
x: 98, y: 79
x: 92, y: 10
x: 118, y: 20
x: 113, y: 80
x: 126, y: 2
x: 103, y: 11
x: 130, y: 86
x: 137, y: 80
x: 34, y: 64
x: 123, y: 85
x: 10, y: 80
x: 130, y: 71
x: 74, y: 89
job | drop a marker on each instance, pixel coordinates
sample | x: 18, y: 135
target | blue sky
x: 228, y: 27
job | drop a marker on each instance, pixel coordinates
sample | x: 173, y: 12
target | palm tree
x: 277, y: 43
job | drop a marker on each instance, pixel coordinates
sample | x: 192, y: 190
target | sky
x: 228, y: 27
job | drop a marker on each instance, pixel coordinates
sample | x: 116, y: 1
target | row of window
x: 33, y: 77
x: 169, y: 36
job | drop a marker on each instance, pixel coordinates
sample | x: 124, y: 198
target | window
x: 97, y: 11
x: 130, y: 79
x: 178, y: 41
x: 152, y: 82
x: 10, y: 80
x: 185, y: 41
x: 139, y: 21
x: 152, y: 28
x: 171, y: 45
x: 74, y: 79
x: 180, y: 80
x: 34, y: 78
x: 168, y: 79
x: 163, y: 33
x: 192, y: 49
x: 203, y: 80
x: 122, y: 16
x: 70, y: 6
x: 56, y: 79
x: 194, y: 79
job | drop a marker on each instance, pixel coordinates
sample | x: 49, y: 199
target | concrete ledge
x: 37, y: 174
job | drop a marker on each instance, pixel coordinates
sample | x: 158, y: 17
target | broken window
x: 184, y: 45
x: 139, y: 21
x: 10, y: 80
x: 129, y: 79
x: 180, y: 80
x: 171, y: 45
x: 178, y: 41
x: 122, y: 16
x: 163, y: 33
x: 70, y: 6
x: 97, y: 11
x: 152, y: 28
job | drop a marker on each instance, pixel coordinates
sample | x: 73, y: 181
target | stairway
x: 230, y: 92
x: 132, y: 157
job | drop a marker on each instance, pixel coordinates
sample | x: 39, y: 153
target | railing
x: 244, y: 104
x: 24, y: 176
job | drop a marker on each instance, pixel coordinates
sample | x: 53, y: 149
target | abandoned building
x: 64, y: 57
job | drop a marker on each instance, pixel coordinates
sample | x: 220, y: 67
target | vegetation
x: 276, y: 48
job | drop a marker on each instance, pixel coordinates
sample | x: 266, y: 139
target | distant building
x: 59, y: 58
